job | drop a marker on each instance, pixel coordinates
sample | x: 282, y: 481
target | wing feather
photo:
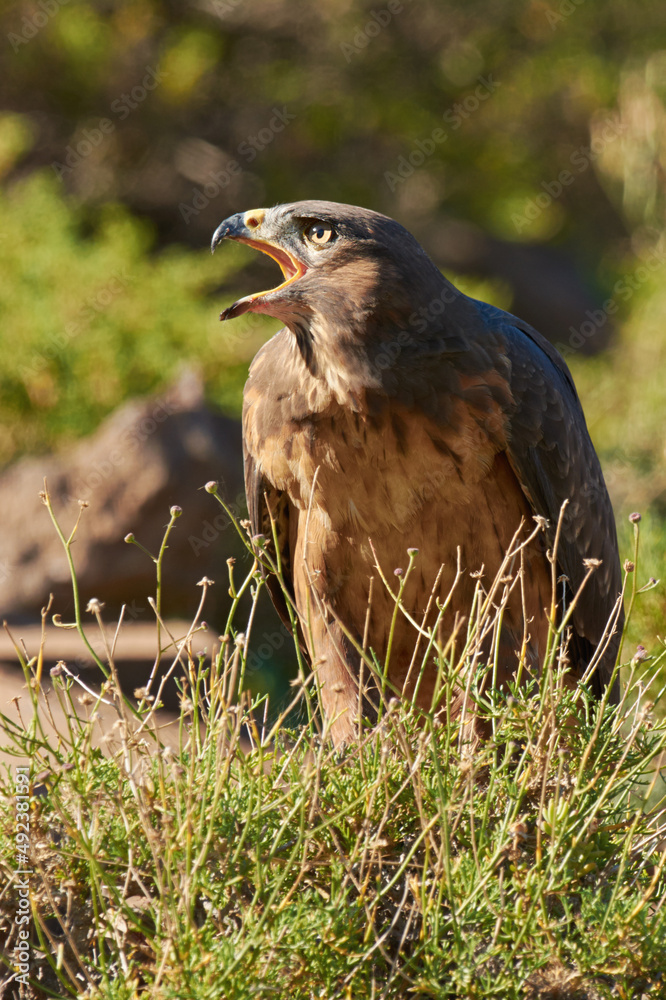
x: 554, y: 459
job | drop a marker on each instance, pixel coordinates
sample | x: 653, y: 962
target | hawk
x: 393, y: 413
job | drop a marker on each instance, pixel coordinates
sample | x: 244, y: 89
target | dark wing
x: 554, y: 459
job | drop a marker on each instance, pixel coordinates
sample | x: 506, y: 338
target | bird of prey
x: 391, y: 413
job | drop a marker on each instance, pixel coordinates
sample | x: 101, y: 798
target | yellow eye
x: 320, y: 233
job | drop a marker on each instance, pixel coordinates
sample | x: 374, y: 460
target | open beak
x: 242, y: 228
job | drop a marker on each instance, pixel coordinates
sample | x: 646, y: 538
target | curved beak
x: 236, y: 228
x: 245, y: 227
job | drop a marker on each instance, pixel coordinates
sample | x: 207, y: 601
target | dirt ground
x: 134, y: 654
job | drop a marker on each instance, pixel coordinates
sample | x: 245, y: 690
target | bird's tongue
x: 288, y: 264
x: 291, y: 268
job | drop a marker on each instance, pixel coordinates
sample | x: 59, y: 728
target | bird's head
x: 354, y: 280
x: 338, y: 258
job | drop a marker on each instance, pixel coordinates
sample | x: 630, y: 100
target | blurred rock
x: 148, y: 455
x: 547, y: 288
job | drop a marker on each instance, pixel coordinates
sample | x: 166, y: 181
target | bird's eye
x: 320, y: 233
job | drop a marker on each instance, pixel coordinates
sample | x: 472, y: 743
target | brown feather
x: 393, y: 412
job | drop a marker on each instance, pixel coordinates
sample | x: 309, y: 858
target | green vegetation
x: 92, y: 320
x: 362, y: 90
x: 250, y: 860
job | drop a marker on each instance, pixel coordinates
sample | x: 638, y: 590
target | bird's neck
x: 356, y: 352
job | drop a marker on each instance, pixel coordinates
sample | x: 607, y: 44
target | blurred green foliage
x: 91, y: 319
x: 518, y: 87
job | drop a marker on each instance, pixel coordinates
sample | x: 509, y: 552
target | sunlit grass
x: 254, y: 860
